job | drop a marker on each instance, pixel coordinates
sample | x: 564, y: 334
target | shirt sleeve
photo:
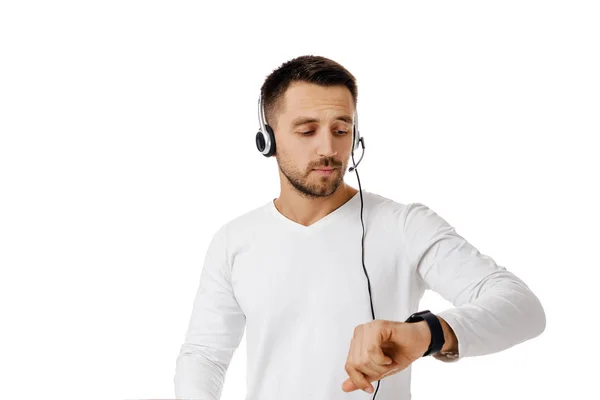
x: 215, y: 329
x: 493, y: 308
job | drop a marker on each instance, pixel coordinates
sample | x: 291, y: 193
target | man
x: 293, y: 273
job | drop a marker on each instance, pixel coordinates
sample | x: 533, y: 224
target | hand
x: 381, y: 348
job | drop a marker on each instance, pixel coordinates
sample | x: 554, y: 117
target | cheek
x: 292, y: 162
x: 294, y: 157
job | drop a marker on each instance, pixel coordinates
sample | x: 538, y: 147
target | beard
x: 310, y: 183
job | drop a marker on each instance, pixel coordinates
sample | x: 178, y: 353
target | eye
x: 309, y: 132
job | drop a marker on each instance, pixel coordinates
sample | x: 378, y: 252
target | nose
x: 325, y: 145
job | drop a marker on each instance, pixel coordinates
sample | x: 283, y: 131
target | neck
x: 306, y: 211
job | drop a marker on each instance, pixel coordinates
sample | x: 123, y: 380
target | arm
x: 493, y: 309
x: 215, y: 329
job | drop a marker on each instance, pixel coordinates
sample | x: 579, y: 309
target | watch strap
x: 435, y: 327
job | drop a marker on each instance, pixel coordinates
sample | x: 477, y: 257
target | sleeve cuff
x: 452, y: 318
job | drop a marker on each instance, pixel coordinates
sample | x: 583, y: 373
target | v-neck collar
x: 324, y: 221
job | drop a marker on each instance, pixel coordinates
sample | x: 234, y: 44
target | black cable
x: 363, y: 252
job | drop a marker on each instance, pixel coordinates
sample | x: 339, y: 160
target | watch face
x: 418, y: 316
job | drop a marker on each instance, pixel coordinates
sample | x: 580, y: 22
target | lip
x: 325, y: 171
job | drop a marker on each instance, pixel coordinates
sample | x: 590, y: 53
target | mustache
x: 328, y: 163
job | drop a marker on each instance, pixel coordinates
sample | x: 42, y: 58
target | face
x: 313, y: 131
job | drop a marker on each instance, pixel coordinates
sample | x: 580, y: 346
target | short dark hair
x: 308, y: 68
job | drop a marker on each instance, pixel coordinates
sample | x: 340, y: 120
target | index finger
x: 357, y: 380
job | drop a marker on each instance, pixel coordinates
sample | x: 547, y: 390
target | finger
x: 371, y: 371
x: 377, y: 356
x: 375, y: 373
x: 349, y: 385
x: 390, y: 372
x: 357, y: 352
x: 372, y: 362
x: 359, y: 380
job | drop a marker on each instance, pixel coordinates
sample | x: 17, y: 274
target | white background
x: 127, y: 138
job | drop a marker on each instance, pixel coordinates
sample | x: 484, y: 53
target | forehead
x: 302, y: 97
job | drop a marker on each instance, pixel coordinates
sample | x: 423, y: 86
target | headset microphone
x: 362, y: 144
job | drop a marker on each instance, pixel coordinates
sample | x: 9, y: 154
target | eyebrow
x: 306, y: 120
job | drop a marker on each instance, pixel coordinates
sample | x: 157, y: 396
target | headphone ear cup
x: 260, y: 141
x: 273, y: 146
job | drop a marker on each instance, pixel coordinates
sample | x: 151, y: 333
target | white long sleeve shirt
x: 299, y: 292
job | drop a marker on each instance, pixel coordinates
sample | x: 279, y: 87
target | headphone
x: 265, y: 143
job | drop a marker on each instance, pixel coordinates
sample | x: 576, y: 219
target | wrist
x: 424, y: 335
x: 430, y: 331
x: 450, y: 340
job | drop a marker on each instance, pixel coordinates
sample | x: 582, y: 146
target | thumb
x: 379, y: 357
x: 348, y: 385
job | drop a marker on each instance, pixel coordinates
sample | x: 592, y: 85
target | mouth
x: 324, y: 171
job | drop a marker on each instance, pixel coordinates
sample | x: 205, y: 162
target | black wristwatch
x: 437, y: 333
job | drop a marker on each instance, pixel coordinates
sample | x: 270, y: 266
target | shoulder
x: 408, y: 216
x: 383, y: 208
x: 243, y: 225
